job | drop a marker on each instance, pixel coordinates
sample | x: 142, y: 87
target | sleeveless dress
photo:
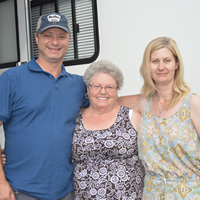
x: 106, y: 163
x: 170, y: 151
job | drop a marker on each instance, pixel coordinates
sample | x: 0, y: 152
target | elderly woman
x: 104, y: 149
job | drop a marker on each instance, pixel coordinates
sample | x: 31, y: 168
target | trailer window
x: 9, y: 47
x: 82, y: 16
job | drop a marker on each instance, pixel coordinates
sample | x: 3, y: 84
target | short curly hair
x: 107, y: 67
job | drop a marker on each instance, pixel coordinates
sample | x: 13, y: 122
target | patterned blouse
x: 106, y: 164
x: 170, y: 151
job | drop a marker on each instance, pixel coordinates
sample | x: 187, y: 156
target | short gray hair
x: 106, y: 67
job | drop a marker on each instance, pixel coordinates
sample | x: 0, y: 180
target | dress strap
x: 186, y: 101
x: 187, y: 98
x: 147, y: 105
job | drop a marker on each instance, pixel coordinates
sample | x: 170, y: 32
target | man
x: 39, y: 104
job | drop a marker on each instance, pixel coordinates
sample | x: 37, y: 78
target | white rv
x: 116, y: 30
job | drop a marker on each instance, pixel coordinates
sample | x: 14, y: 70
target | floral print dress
x: 106, y: 163
x: 170, y: 151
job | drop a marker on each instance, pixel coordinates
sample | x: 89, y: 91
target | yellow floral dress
x: 170, y: 152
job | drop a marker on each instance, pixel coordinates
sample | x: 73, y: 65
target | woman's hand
x: 3, y: 158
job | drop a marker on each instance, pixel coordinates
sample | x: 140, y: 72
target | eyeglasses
x: 99, y: 87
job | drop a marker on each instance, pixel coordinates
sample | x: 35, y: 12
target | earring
x: 86, y: 96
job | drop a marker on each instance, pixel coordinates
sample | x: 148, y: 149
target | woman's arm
x: 129, y: 101
x: 137, y: 112
x: 195, y: 112
x: 6, y: 191
x: 135, y: 119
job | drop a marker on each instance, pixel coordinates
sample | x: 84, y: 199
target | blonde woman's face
x: 163, y: 66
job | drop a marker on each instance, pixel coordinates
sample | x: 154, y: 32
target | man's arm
x: 6, y: 191
x: 129, y: 101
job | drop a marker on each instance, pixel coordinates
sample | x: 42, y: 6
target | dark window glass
x: 9, y: 47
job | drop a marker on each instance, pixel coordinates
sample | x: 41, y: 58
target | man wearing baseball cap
x: 53, y: 20
x: 39, y: 104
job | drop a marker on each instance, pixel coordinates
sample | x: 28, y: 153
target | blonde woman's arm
x: 129, y: 101
x: 135, y: 119
x: 195, y: 112
x: 137, y: 112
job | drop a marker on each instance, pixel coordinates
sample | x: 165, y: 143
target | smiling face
x: 52, y: 44
x: 163, y: 66
x: 102, y: 98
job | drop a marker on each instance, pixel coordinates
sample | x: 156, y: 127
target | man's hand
x: 6, y: 192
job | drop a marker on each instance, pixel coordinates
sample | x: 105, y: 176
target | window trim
x: 13, y: 63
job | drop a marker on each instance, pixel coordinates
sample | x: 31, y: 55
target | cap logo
x: 53, y: 18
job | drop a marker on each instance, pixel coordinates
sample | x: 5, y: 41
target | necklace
x: 160, y: 111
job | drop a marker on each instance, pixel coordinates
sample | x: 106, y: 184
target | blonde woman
x: 169, y: 130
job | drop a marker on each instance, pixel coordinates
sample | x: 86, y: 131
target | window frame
x: 13, y: 63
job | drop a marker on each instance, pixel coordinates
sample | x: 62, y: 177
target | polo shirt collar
x: 35, y: 67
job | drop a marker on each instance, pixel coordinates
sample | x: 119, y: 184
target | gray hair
x: 106, y: 67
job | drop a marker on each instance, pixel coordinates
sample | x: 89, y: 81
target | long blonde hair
x: 180, y: 88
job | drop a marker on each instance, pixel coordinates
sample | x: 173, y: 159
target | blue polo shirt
x: 39, y: 114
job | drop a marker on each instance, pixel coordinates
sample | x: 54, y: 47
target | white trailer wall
x: 127, y: 26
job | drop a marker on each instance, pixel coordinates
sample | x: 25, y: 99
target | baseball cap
x: 53, y: 20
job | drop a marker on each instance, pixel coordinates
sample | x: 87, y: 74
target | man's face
x: 52, y: 44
